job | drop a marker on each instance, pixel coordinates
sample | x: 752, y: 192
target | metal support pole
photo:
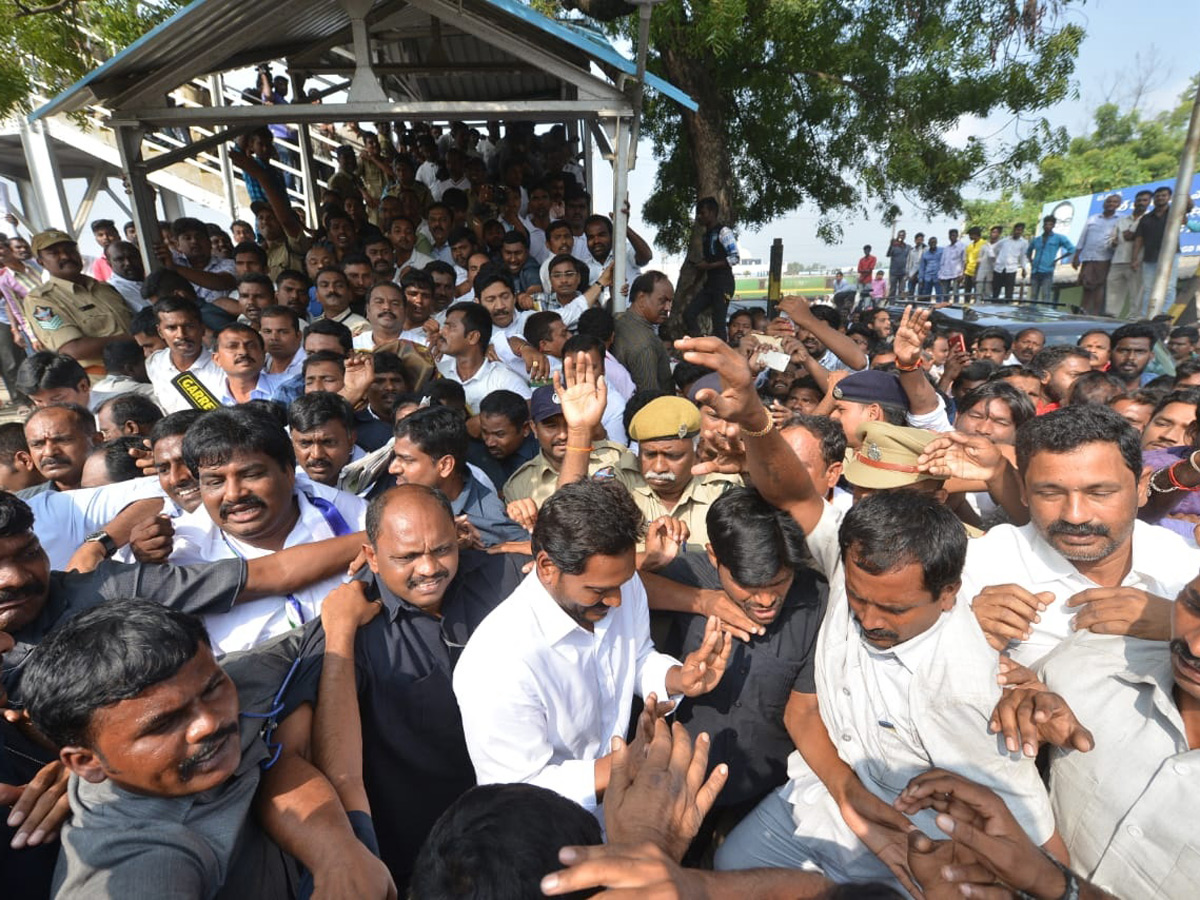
x: 639, y: 89
x: 52, y: 209
x: 216, y: 87
x: 620, y: 220
x: 141, y: 197
x: 1176, y: 214
x: 588, y: 149
x: 95, y: 182
x: 308, y: 176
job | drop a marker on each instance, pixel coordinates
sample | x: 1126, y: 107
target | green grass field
x: 806, y: 285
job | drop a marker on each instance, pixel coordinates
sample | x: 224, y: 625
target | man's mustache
x: 211, y: 745
x: 246, y: 502
x: 1080, y: 530
x: 1180, y: 648
x: 32, y: 588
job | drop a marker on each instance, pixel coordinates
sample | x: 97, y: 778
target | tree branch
x: 39, y: 10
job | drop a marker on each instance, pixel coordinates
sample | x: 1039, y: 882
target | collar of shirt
x: 85, y: 284
x: 264, y: 389
x: 471, y: 488
x: 916, y: 651
x: 552, y: 620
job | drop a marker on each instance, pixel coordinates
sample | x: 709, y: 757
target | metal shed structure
x: 438, y: 60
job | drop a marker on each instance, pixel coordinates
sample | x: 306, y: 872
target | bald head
x: 413, y: 545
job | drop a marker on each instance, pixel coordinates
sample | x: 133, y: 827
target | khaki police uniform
x: 692, y: 506
x: 62, y: 311
x: 538, y: 479
x: 887, y: 459
x: 286, y: 254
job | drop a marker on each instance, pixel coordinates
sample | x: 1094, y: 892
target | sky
x: 1116, y: 31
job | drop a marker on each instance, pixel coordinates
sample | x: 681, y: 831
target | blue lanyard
x: 337, y: 524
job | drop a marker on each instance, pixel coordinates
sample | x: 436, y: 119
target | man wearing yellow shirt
x: 72, y: 313
x: 977, y: 243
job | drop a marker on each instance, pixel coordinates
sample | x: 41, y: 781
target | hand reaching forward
x: 736, y: 401
x: 703, y: 668
x: 958, y: 455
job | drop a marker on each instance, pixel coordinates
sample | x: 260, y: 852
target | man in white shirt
x: 403, y: 236
x: 211, y: 276
x: 905, y: 679
x: 1010, y: 259
x: 240, y: 355
x: 1124, y: 283
x: 385, y: 312
x: 128, y: 272
x: 280, y: 330
x: 547, y: 680
x: 1084, y: 561
x: 333, y: 293
x: 455, y: 175
x: 1095, y: 250
x: 252, y: 506
x: 954, y: 261
x: 464, y: 339
x: 985, y: 271
x: 599, y: 233
x: 495, y: 292
x: 180, y: 325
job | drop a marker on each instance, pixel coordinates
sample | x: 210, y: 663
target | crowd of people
x: 1115, y: 261
x: 385, y: 560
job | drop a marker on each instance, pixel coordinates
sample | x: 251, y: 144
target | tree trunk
x: 711, y: 164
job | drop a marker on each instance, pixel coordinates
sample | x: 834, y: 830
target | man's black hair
x: 83, y: 418
x: 97, y: 224
x: 644, y: 284
x: 100, y: 657
x: 222, y: 433
x: 997, y: 333
x: 1046, y: 360
x: 186, y: 224
x: 122, y: 356
x: 1189, y: 332
x: 437, y: 431
x: 686, y: 374
x: 509, y: 404
x: 585, y: 519
x: 174, y: 304
x: 446, y: 392
x: 1134, y: 330
x: 1187, y: 395
x: 831, y: 434
x: 498, y: 841
x: 119, y: 465
x: 583, y: 343
x: 336, y: 329
x: 310, y: 411
x: 388, y: 363
x: 1020, y: 407
x: 1064, y: 430
x: 489, y: 275
x: 474, y: 318
x: 144, y: 321
x: 597, y: 322
x: 239, y: 328
x: 516, y: 237
x: 174, y: 424
x: 279, y: 311
x: 322, y: 356
x: 1095, y: 387
x: 379, y: 503
x: 827, y: 314
x: 49, y: 371
x: 251, y: 247
x: 738, y: 313
x: 12, y: 441
x: 751, y: 538
x: 976, y: 370
x: 294, y: 275
x: 257, y: 278
x: 887, y: 530
x: 538, y: 327
x: 15, y: 515
x: 416, y: 278
x: 132, y: 407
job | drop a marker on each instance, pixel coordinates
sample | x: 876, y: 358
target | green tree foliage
x: 1123, y: 148
x: 51, y: 45
x: 848, y: 106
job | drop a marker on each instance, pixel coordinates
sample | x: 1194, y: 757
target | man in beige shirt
x: 73, y: 313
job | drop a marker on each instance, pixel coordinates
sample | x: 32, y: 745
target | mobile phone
x: 958, y: 344
x: 774, y: 359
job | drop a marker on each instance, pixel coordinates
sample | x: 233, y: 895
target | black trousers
x: 712, y: 297
x: 1005, y: 282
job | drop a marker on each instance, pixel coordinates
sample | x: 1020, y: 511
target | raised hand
x: 737, y: 400
x: 346, y: 609
x: 704, y: 667
x: 910, y: 336
x: 581, y: 392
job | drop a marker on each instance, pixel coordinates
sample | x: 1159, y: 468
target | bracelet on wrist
x: 919, y: 364
x: 770, y: 426
x: 581, y: 449
x: 1175, y: 482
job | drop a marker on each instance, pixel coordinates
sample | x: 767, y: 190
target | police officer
x: 538, y: 478
x: 667, y: 430
x: 73, y: 313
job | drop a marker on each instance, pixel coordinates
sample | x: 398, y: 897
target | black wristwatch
x: 103, y: 538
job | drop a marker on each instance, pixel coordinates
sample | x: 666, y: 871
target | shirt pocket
x: 1184, y: 878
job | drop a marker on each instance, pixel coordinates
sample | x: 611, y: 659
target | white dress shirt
x: 1010, y: 254
x: 1127, y: 807
x: 491, y: 376
x: 1098, y: 241
x: 161, y: 370
x: 542, y: 697
x: 500, y: 341
x: 214, y: 265
x: 895, y: 713
x: 1162, y: 564
x: 1124, y: 249
x: 264, y: 389
x: 130, y: 290
x: 954, y: 260
x: 416, y: 260
x: 198, y: 539
x: 62, y: 519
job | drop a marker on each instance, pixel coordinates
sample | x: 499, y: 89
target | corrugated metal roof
x: 210, y: 36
